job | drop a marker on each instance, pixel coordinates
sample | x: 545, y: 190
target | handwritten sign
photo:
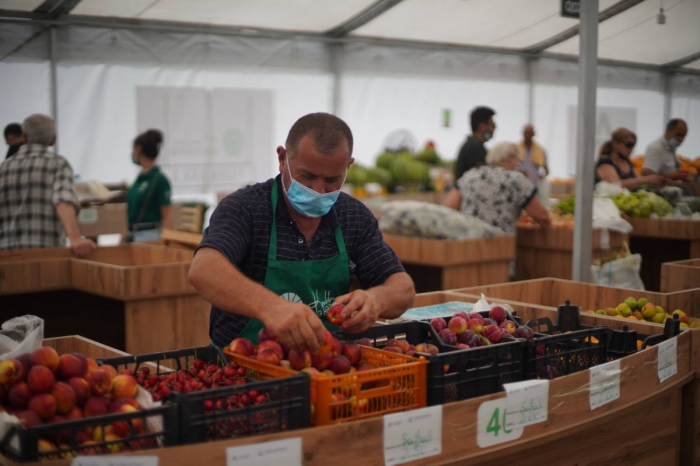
x: 668, y: 364
x: 491, y: 428
x: 526, y: 402
x: 412, y: 435
x: 115, y: 461
x: 604, y: 384
x: 279, y: 453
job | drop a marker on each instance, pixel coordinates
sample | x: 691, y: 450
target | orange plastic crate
x: 397, y: 384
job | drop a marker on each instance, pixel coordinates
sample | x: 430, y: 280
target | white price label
x: 668, y: 364
x: 412, y: 435
x: 115, y: 461
x: 604, y: 384
x: 491, y: 428
x: 526, y: 402
x: 278, y: 453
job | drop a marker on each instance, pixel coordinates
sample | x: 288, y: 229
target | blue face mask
x: 308, y: 202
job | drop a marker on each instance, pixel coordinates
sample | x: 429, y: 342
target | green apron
x: 315, y: 283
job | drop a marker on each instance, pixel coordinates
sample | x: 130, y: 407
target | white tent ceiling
x: 510, y: 26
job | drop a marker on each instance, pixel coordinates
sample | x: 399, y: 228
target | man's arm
x: 223, y: 285
x: 66, y: 213
x: 388, y: 300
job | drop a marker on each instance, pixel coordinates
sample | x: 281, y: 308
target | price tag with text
x: 526, y: 402
x: 279, y: 453
x: 668, y: 364
x: 412, y: 435
x: 604, y: 383
x: 491, y: 428
x: 115, y: 461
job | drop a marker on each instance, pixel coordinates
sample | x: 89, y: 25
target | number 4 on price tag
x: 491, y: 428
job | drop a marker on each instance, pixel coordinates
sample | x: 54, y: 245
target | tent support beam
x: 335, y: 52
x: 363, y: 17
x: 682, y: 62
x: 616, y: 9
x: 668, y: 95
x: 53, y: 58
x: 9, y: 16
x: 529, y: 63
x: 587, y: 84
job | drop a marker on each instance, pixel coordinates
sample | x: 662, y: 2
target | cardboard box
x: 102, y: 220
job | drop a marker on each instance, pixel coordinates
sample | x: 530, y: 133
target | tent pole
x: 530, y: 90
x: 335, y: 52
x: 53, y: 56
x: 668, y: 95
x: 587, y: 83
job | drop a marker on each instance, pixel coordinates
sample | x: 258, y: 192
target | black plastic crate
x: 21, y: 444
x: 565, y: 348
x: 455, y: 374
x: 624, y: 342
x: 218, y: 414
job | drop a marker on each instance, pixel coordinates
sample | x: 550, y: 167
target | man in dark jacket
x: 473, y: 152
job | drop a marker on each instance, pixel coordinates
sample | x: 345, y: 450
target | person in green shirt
x: 148, y: 199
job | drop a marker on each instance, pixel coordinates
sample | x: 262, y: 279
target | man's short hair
x: 328, y: 132
x: 39, y: 129
x: 481, y: 115
x: 13, y: 129
x: 671, y: 125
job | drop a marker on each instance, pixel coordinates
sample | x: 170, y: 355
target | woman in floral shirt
x: 496, y: 193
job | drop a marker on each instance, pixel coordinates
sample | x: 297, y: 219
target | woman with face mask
x: 148, y: 199
x: 614, y: 165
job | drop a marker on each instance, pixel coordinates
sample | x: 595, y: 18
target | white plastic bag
x: 21, y: 335
x: 605, y: 189
x: 482, y: 305
x: 620, y: 273
x: 607, y: 216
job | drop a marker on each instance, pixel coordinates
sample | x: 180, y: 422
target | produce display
x: 44, y: 388
x: 642, y: 309
x: 559, y: 220
x: 421, y: 219
x: 642, y: 204
x: 473, y: 330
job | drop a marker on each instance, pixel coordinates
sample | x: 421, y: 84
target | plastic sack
x: 607, y: 216
x: 21, y: 335
x: 620, y: 273
x: 605, y: 189
x: 482, y: 305
x: 425, y: 220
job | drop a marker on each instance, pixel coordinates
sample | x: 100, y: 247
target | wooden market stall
x: 446, y: 264
x: 117, y: 295
x: 660, y: 241
x: 548, y: 252
x: 680, y: 275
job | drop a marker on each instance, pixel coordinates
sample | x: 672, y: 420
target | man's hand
x: 362, y: 309
x: 82, y: 246
x: 678, y: 176
x: 296, y: 325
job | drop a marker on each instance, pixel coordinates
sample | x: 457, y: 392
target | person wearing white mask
x: 660, y: 157
x: 473, y: 153
x: 278, y: 254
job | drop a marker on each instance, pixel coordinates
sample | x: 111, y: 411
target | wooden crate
x: 548, y: 252
x: 180, y: 239
x: 660, y: 241
x: 446, y: 264
x: 188, y: 218
x: 84, y: 346
x: 680, y: 275
x: 571, y: 431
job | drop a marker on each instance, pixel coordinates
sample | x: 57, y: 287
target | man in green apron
x: 278, y: 254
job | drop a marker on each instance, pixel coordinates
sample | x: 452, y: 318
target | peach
x: 438, y: 324
x: 81, y: 389
x: 26, y: 361
x: 477, y: 316
x: 97, y: 406
x: 327, y: 346
x: 19, y: 395
x: 462, y: 315
x: 498, y: 314
x: 340, y: 365
x: 122, y: 428
x: 493, y: 333
x: 286, y: 364
x: 352, y: 352
x: 266, y: 334
x: 400, y: 344
x: 40, y: 379
x: 242, y: 346
x: 509, y: 326
x: 448, y: 336
x: 75, y: 413
x: 65, y: 397
x: 99, y: 381
x: 91, y: 365
x: 273, y: 346
x: 393, y: 349
x: 299, y: 360
x: 70, y: 366
x: 45, y: 356
x: 335, y: 314
x: 110, y: 370
x: 321, y: 361
x: 46, y: 446
x: 119, y: 402
x: 44, y: 405
x: 29, y: 418
x: 124, y: 386
x: 476, y: 325
x: 336, y: 347
x: 457, y: 325
x: 311, y: 371
x: 269, y: 356
x: 11, y: 372
x: 364, y: 342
